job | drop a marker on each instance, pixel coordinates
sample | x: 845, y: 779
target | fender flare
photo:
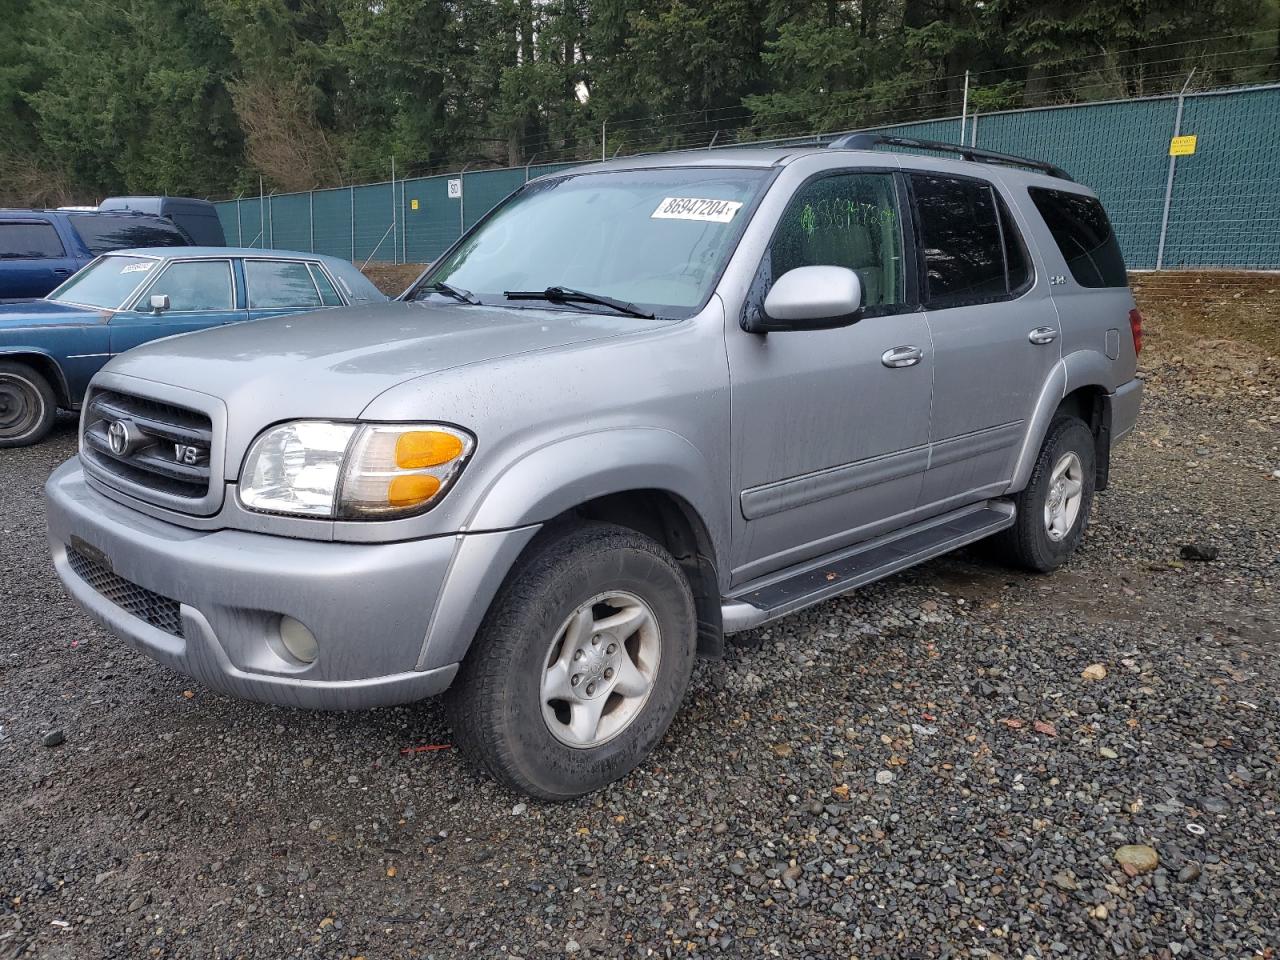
x: 60, y: 388
x: 540, y: 486
x: 565, y: 473
x: 1082, y: 368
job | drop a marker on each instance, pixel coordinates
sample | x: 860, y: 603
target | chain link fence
x: 1216, y: 207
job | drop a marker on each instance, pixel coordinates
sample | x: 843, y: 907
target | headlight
x: 356, y: 471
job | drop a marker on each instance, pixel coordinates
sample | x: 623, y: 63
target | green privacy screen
x: 1223, y: 209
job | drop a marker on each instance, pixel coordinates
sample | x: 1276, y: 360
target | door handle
x: 904, y: 356
x: 61, y: 271
x: 1043, y: 335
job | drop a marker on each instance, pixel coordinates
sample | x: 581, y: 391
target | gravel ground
x: 923, y: 769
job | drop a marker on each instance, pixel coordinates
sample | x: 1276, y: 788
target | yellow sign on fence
x: 1182, y: 146
x: 413, y: 204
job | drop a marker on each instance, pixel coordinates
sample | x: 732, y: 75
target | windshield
x: 106, y: 283
x: 657, y: 239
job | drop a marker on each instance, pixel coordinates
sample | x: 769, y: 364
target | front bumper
x: 370, y: 606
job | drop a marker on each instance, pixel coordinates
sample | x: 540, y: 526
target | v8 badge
x: 186, y: 453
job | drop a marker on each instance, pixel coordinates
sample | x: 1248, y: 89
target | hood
x: 48, y: 313
x: 333, y: 363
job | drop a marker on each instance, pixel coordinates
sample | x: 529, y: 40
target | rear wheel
x: 579, y: 666
x: 27, y: 405
x: 1053, y: 510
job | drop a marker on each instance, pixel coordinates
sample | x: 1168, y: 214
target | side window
x: 29, y: 241
x: 846, y: 220
x: 960, y: 237
x: 194, y: 285
x: 328, y: 296
x: 1083, y: 233
x: 280, y: 283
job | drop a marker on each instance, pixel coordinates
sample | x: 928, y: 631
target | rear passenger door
x: 33, y: 259
x: 995, y: 335
x: 280, y: 287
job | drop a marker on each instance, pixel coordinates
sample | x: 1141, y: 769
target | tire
x: 1033, y: 542
x: 27, y: 405
x: 638, y: 607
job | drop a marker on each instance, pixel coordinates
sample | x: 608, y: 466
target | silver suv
x: 640, y: 406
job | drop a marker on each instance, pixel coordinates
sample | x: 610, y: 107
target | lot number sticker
x: 141, y: 267
x: 455, y: 189
x: 695, y: 208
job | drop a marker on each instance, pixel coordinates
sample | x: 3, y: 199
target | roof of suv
x: 19, y: 212
x: 765, y: 157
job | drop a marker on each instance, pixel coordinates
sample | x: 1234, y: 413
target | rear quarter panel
x: 1097, y: 347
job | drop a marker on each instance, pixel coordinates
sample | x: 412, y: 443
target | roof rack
x: 866, y: 141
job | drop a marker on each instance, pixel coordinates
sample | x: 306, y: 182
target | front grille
x: 148, y: 606
x: 167, y: 450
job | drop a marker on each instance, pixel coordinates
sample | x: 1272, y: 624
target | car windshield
x: 655, y: 239
x: 106, y: 283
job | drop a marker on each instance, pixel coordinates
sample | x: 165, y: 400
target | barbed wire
x: 930, y: 98
x: 660, y: 129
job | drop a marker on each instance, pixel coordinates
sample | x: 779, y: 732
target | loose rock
x: 1202, y: 552
x: 1137, y: 858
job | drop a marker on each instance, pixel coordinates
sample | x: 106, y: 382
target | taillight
x: 1135, y: 327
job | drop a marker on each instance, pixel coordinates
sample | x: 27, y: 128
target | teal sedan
x: 51, y: 348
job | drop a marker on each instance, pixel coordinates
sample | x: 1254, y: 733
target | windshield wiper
x: 449, y: 290
x: 569, y: 295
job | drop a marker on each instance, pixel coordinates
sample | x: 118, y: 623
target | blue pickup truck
x: 50, y: 348
x: 41, y: 248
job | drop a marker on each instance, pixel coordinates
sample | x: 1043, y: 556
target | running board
x: 776, y: 596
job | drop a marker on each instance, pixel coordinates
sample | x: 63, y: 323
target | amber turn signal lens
x: 411, y: 490
x: 426, y: 448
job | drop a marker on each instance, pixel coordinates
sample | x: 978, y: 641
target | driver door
x: 831, y: 427
x: 201, y: 294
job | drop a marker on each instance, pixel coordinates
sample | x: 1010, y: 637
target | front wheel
x: 27, y: 405
x: 579, y: 666
x: 1053, y: 510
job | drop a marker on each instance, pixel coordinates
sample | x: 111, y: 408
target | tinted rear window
x: 103, y: 233
x: 26, y: 241
x: 1083, y: 233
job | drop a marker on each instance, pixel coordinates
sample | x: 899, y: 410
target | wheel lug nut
x: 608, y: 674
x: 591, y: 688
x: 577, y: 679
x: 577, y: 654
x: 612, y: 648
x: 595, y: 641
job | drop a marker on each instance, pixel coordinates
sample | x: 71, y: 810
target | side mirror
x: 159, y: 302
x: 811, y: 298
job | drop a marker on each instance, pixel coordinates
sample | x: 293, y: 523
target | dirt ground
x: 393, y: 278
x: 931, y: 767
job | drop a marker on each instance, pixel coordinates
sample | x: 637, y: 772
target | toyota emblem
x: 122, y: 437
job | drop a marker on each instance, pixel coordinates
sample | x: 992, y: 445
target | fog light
x: 298, y: 640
